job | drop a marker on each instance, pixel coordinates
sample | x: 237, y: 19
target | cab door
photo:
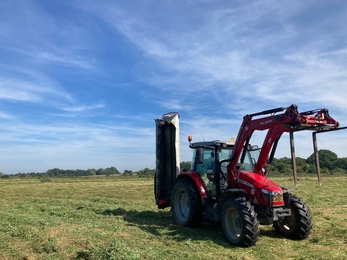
x: 167, y: 157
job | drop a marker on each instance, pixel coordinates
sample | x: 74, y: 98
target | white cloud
x: 74, y: 146
x: 213, y: 62
x: 30, y: 91
x: 229, y: 51
x: 83, y: 108
x: 5, y: 115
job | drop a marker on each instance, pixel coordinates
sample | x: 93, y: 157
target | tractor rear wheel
x: 299, y: 225
x: 239, y: 222
x: 186, y: 203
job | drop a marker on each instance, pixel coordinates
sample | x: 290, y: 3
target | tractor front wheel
x: 239, y: 222
x: 297, y: 226
x: 186, y: 203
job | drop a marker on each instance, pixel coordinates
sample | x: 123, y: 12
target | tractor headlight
x: 275, y: 198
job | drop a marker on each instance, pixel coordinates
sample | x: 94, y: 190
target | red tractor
x: 228, y: 183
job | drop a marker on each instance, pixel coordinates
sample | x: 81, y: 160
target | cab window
x: 209, y: 161
x: 225, y: 154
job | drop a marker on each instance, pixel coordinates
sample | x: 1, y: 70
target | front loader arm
x: 249, y: 125
x: 269, y: 145
x: 277, y: 124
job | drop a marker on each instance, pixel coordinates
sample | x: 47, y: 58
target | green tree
x: 100, y: 171
x: 91, y: 172
x: 282, y: 165
x: 301, y: 165
x: 342, y: 163
x: 146, y: 172
x: 20, y: 175
x: 110, y: 171
x: 128, y: 172
x: 327, y: 159
x: 80, y: 172
x: 54, y: 172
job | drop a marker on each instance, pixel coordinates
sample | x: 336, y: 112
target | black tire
x: 299, y: 225
x: 186, y: 203
x: 239, y: 222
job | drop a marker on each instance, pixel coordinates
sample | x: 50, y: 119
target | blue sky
x: 82, y: 81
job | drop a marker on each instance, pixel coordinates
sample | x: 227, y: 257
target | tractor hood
x: 258, y: 182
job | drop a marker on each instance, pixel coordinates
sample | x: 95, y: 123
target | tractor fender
x: 200, y: 185
x: 228, y: 194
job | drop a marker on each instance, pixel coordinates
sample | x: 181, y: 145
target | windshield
x: 207, y: 165
x: 225, y: 153
x: 254, y: 152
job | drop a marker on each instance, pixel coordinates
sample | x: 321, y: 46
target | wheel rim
x: 233, y: 223
x: 289, y: 223
x: 181, y: 205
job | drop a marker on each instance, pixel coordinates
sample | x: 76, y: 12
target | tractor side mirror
x: 199, y: 155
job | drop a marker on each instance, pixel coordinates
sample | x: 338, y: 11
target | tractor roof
x: 212, y: 143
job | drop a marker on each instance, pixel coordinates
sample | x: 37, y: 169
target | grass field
x: 116, y: 218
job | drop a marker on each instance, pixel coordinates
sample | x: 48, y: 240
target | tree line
x: 60, y: 173
x: 329, y: 164
x: 328, y: 161
x: 56, y: 172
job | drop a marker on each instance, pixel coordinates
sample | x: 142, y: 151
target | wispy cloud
x: 73, y: 145
x: 232, y: 50
x: 5, y: 115
x: 18, y: 90
x: 40, y: 39
x: 83, y: 108
x: 85, y: 80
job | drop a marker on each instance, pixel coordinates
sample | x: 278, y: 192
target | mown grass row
x: 116, y: 218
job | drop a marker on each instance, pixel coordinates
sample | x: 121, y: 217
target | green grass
x: 116, y: 218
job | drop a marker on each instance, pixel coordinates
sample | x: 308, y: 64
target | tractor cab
x: 210, y: 160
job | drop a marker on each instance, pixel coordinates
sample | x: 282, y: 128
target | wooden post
x: 292, y: 149
x: 316, y: 156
